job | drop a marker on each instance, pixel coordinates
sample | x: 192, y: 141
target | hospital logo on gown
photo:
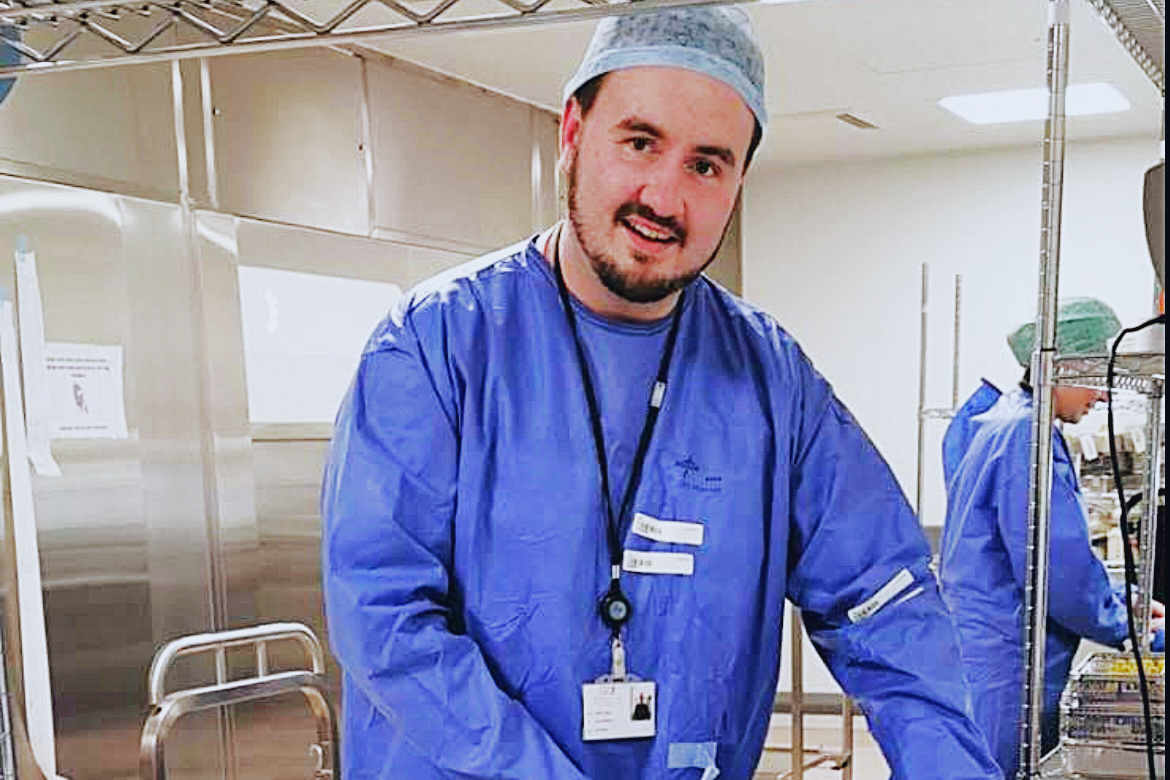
x: 693, y: 478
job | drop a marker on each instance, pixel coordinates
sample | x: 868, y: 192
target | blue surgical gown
x: 464, y: 550
x: 986, y: 456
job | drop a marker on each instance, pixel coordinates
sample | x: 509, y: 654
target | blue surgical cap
x: 716, y: 41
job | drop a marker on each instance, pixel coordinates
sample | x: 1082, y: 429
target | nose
x: 663, y: 189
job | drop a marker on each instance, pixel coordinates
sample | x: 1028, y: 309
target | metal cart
x: 807, y: 756
x: 167, y: 708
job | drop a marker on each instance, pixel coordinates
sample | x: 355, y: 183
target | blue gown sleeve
x: 898, y: 658
x: 1080, y: 596
x: 388, y: 504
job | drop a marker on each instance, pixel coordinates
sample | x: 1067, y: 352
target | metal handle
x: 151, y: 755
x: 219, y: 642
x: 168, y: 708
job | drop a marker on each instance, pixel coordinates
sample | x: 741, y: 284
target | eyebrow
x: 720, y: 152
x: 634, y: 125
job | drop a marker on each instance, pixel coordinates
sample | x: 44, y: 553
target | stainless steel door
x: 122, y: 536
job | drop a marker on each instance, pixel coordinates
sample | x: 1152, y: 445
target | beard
x: 630, y: 286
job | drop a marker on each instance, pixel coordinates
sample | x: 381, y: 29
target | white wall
x: 834, y: 252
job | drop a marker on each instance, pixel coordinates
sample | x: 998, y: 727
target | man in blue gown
x: 577, y: 458
x: 987, y: 463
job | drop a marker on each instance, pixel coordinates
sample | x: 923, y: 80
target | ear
x: 570, y: 134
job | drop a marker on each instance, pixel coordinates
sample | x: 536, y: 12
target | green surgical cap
x: 1084, y: 326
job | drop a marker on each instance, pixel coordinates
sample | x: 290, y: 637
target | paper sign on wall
x: 85, y: 391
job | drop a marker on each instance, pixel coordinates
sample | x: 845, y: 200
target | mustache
x: 669, y: 224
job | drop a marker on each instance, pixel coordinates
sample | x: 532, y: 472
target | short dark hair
x: 586, y: 96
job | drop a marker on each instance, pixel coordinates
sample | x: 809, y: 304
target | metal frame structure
x: 1140, y: 27
x: 7, y: 757
x: 141, y: 31
x: 809, y: 757
x: 138, y: 31
x: 1145, y: 373
x: 1142, y: 372
x: 926, y: 413
x: 168, y: 708
x: 1043, y: 359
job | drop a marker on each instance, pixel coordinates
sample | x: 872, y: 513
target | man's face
x: 1073, y: 403
x: 654, y: 172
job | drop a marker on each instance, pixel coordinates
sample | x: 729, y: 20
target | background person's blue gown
x: 987, y: 461
x: 463, y: 550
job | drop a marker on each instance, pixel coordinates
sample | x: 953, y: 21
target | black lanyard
x: 614, y: 607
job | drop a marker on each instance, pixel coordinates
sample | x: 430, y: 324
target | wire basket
x: 1111, y: 725
x: 1108, y: 679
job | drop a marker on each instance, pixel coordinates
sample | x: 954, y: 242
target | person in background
x: 987, y: 467
x: 574, y: 481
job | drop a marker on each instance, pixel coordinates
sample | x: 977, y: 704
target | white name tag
x: 898, y: 583
x: 670, y: 531
x: 639, y: 562
x: 618, y: 710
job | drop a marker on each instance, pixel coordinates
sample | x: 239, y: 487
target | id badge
x: 618, y: 710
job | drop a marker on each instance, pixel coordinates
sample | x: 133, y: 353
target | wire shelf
x: 1143, y: 372
x: 1140, y: 27
x: 56, y: 35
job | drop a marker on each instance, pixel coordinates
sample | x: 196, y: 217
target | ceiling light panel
x: 1025, y: 105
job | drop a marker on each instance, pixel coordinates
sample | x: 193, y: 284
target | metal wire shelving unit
x: 1145, y: 373
x: 57, y: 35
x: 1139, y: 26
x: 1142, y: 372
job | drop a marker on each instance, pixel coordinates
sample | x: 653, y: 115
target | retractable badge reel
x: 617, y: 705
x: 615, y: 608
